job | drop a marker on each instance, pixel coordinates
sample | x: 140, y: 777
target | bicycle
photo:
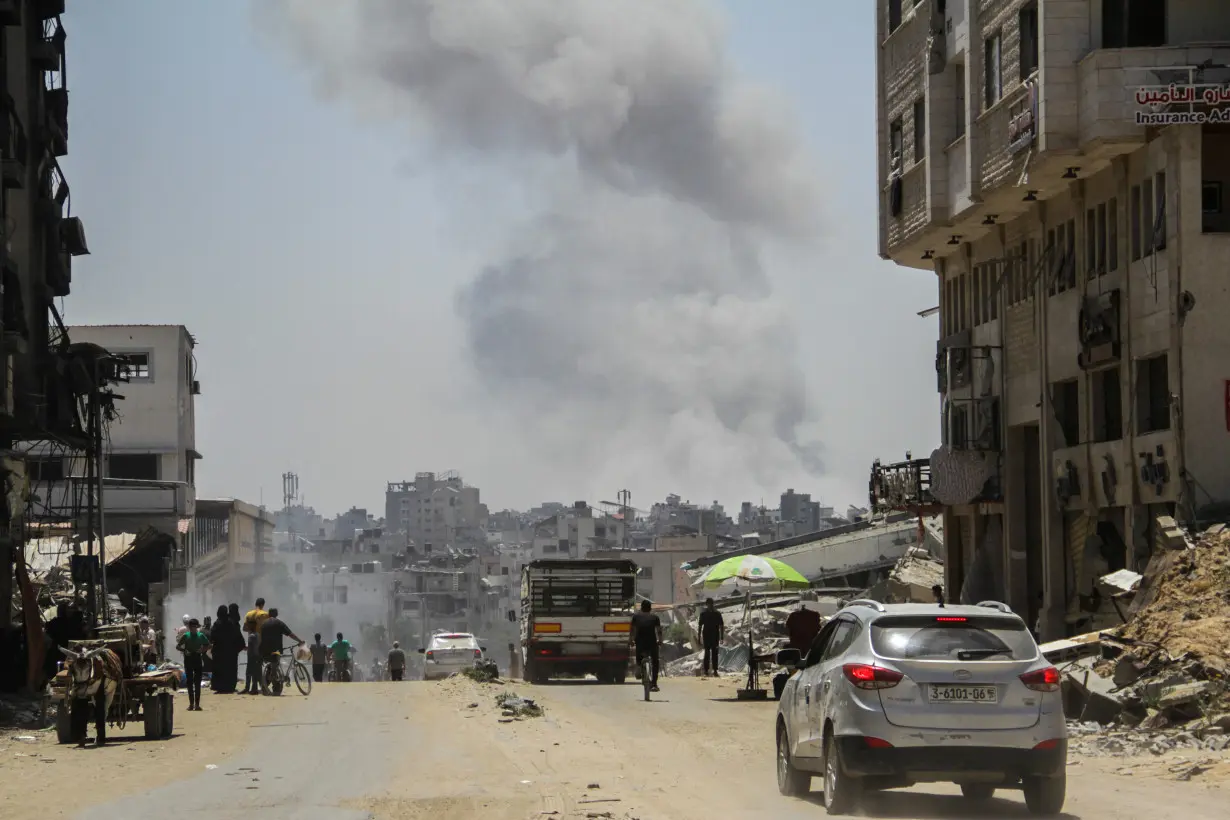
x: 274, y: 677
x: 645, y: 670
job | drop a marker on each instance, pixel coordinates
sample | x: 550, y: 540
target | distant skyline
x: 322, y: 255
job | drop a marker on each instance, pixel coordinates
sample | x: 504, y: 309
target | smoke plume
x: 635, y: 303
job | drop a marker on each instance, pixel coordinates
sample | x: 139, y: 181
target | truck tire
x: 64, y: 721
x: 151, y: 710
x: 167, y: 705
x: 621, y: 674
x: 528, y: 672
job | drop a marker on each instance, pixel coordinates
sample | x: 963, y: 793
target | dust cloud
x: 634, y: 306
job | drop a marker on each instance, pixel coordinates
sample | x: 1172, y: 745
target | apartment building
x: 149, y: 454
x: 436, y: 510
x: 1059, y: 167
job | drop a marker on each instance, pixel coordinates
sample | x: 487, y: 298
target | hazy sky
x: 378, y: 289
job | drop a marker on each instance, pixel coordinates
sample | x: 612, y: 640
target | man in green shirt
x: 341, y: 650
x: 194, y: 644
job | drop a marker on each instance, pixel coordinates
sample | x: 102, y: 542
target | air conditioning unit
x: 72, y: 236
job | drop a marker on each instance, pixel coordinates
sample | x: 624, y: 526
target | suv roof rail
x: 1002, y: 607
x: 876, y: 605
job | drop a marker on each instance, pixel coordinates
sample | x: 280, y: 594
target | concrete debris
x: 514, y: 706
x: 1159, y: 682
x: 911, y: 581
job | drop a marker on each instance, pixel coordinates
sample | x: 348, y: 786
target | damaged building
x: 1060, y: 170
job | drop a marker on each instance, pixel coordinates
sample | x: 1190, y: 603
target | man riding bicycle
x: 647, y: 637
x: 272, y: 631
x: 340, y: 651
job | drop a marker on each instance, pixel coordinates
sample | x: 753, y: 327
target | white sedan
x: 449, y: 653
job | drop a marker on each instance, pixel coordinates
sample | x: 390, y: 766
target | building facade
x: 149, y: 454
x: 1059, y: 167
x: 227, y: 547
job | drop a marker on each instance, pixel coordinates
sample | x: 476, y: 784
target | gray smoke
x: 636, y: 302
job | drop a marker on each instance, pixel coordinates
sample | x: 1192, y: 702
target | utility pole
x: 625, y: 506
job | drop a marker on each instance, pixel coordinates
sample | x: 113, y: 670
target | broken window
x: 961, y: 107
x: 894, y: 15
x: 896, y: 141
x: 994, y: 68
x: 920, y: 129
x: 1028, y: 20
x: 1135, y: 215
x: 1106, y: 399
x: 1133, y: 23
x: 1146, y: 215
x: 1065, y: 396
x: 1153, y: 394
x: 134, y: 366
x: 1159, y: 218
x: 45, y: 468
x: 134, y: 466
x: 1112, y: 235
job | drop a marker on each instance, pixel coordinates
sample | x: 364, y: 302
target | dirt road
x: 414, y: 750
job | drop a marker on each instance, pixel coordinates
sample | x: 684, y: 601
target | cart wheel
x: 150, y: 708
x: 64, y: 721
x: 167, y: 707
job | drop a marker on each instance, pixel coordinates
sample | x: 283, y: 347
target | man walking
x: 320, y: 656
x: 252, y: 676
x: 194, y: 644
x: 397, y: 662
x: 712, y: 630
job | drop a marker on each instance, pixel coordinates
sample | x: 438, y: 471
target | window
x: 895, y: 143
x: 1061, y: 244
x: 1065, y: 396
x: 1135, y: 215
x: 1028, y: 19
x: 1098, y: 238
x: 646, y: 573
x: 961, y: 107
x: 134, y: 366
x: 894, y: 15
x: 1112, y: 235
x: 991, y: 290
x: 45, y: 468
x: 1069, y: 256
x: 977, y: 295
x: 1159, y: 219
x: 843, y: 637
x: 962, y: 315
x: 958, y: 427
x: 905, y: 637
x: 503, y: 570
x: 1107, y: 406
x: 1133, y: 23
x: 920, y: 129
x: 341, y: 593
x: 298, y: 568
x: 1146, y: 214
x: 1152, y: 394
x: 1210, y: 197
x: 143, y: 466
x: 993, y: 68
x: 190, y: 461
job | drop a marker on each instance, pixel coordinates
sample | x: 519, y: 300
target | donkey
x: 93, y: 674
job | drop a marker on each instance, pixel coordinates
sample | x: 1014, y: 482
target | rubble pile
x: 1159, y: 682
x: 21, y: 711
x: 514, y: 706
x: 911, y: 580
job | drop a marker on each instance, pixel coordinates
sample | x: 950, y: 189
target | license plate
x: 948, y: 693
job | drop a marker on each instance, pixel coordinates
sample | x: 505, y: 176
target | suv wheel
x: 1045, y: 795
x: 841, y: 792
x: 978, y: 792
x: 790, y: 781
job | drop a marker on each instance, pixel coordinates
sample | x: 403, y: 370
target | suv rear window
x: 455, y: 642
x: 926, y: 637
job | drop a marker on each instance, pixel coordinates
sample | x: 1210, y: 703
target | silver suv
x: 889, y: 696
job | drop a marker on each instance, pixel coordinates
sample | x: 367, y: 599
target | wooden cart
x: 143, y: 696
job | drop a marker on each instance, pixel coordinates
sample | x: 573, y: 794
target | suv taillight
x: 478, y: 653
x: 871, y: 677
x: 1044, y: 680
x: 429, y: 654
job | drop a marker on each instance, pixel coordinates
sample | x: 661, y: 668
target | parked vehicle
x: 893, y: 695
x: 575, y: 618
x: 449, y: 653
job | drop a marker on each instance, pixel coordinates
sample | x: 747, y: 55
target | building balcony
x: 122, y: 497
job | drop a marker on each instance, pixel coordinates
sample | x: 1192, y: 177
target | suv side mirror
x: 789, y: 657
x: 421, y: 650
x: 482, y: 649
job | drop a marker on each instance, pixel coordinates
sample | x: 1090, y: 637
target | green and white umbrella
x: 755, y: 569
